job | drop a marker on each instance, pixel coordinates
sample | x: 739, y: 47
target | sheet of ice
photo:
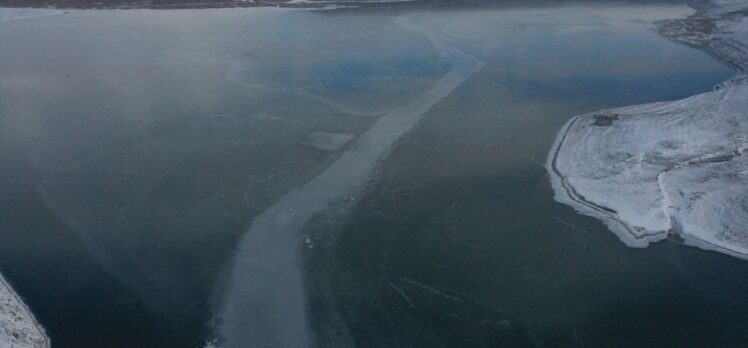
x: 264, y: 305
x: 18, y: 327
x: 672, y: 167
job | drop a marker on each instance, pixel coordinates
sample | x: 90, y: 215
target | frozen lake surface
x: 379, y: 171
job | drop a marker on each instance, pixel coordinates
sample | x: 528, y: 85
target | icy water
x: 169, y: 176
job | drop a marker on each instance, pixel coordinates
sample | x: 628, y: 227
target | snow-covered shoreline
x: 18, y: 327
x: 676, y: 168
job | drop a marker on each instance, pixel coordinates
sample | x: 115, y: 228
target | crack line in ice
x: 263, y: 308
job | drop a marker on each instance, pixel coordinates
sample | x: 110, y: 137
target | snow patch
x: 18, y: 327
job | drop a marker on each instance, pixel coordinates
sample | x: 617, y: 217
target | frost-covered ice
x: 675, y: 167
x: 18, y: 328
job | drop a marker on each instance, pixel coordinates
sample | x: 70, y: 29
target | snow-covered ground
x: 677, y: 167
x: 18, y: 328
